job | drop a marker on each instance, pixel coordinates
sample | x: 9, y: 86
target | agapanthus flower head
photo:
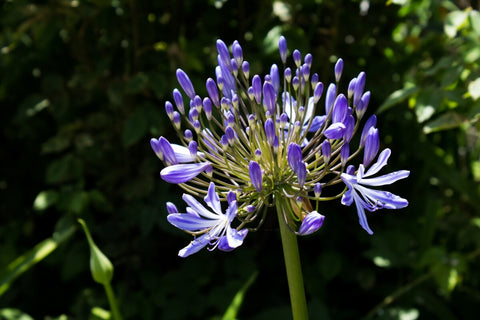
x: 260, y: 140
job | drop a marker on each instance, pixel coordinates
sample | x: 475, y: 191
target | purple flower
x: 270, y: 131
x: 215, y: 226
x: 330, y: 97
x: 256, y: 175
x: 371, y: 199
x: 372, y: 144
x: 181, y: 173
x: 294, y: 155
x: 177, y: 97
x: 311, y: 223
x: 359, y: 86
x: 335, y: 131
x: 269, y: 97
x: 213, y: 91
x: 257, y: 88
x: 224, y: 54
x: 282, y: 46
x: 185, y: 83
x: 338, y: 69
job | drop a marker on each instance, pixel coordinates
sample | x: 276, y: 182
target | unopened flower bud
x: 338, y: 69
x: 256, y: 175
x: 185, y: 83
x: 169, y: 109
x: 246, y: 69
x: 282, y: 47
x: 177, y: 97
x: 297, y: 58
x: 212, y: 91
x: 257, y: 88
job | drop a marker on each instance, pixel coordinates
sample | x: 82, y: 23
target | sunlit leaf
x: 475, y: 21
x: 32, y: 257
x: 98, y: 313
x: 474, y: 89
x: 13, y: 314
x: 45, y: 199
x: 445, y: 121
x: 454, y: 21
x: 427, y: 102
x: 237, y: 301
x: 398, y: 96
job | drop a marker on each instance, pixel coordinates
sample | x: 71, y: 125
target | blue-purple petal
x: 233, y: 239
x: 317, y: 123
x: 282, y: 47
x: 381, y: 162
x: 212, y: 199
x: 269, y: 97
x: 195, y: 245
x: 386, y: 179
x: 372, y: 144
x: 256, y: 175
x: 181, y: 173
x: 185, y: 83
x: 335, y: 131
x: 167, y: 151
x: 311, y: 223
x: 189, y: 222
x: 294, y: 155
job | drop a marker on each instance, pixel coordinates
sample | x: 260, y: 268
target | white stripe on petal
x: 385, y: 179
x: 190, y: 222
x: 212, y: 199
x: 199, y: 208
x: 181, y: 173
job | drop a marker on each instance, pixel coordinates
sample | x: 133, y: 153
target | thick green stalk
x: 292, y: 264
x: 112, y: 302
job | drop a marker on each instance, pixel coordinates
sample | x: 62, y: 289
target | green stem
x: 112, y: 302
x: 292, y: 264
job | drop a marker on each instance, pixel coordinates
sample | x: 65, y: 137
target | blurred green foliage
x: 82, y: 88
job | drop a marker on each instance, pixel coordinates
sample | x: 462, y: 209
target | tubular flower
x: 213, y: 227
x: 371, y: 199
x: 269, y: 139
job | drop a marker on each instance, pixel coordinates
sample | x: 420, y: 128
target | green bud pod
x: 100, y: 265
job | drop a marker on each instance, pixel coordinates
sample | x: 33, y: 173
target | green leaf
x: 137, y: 83
x: 398, y: 96
x: 270, y: 42
x: 136, y: 127
x: 446, y: 121
x: 98, y: 313
x: 454, y: 21
x: 237, y: 301
x: 35, y: 255
x: 13, y: 314
x: 474, y: 89
x: 63, y: 169
x: 45, y: 199
x: 427, y: 102
x: 100, y: 266
x: 475, y: 21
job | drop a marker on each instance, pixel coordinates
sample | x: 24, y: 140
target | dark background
x: 82, y: 90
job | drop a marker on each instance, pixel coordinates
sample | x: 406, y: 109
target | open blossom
x: 262, y: 140
x: 368, y: 198
x: 213, y: 227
